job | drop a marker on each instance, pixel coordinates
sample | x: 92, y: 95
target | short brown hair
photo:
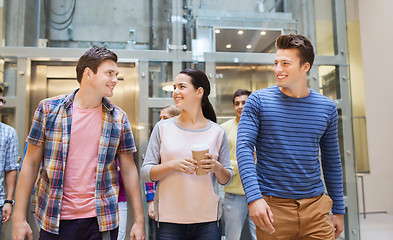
x: 92, y: 58
x: 300, y: 42
x: 240, y: 92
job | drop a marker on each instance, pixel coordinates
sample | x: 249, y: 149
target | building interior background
x: 233, y: 42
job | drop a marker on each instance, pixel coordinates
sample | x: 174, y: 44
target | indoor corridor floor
x: 376, y: 227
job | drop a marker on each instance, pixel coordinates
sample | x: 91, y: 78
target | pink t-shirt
x: 81, y: 166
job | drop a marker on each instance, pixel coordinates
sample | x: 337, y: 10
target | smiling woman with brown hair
x: 186, y: 205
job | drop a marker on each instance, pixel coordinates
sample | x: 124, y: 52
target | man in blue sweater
x: 289, y: 125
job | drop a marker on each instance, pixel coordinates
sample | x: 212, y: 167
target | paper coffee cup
x: 198, y: 153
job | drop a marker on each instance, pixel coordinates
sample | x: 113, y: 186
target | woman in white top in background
x: 186, y: 205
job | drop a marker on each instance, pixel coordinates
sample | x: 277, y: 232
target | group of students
x: 278, y: 134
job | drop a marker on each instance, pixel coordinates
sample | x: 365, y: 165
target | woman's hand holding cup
x: 186, y: 165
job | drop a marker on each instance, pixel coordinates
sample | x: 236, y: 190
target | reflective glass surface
x: 324, y: 27
x: 231, y: 77
x: 122, y: 24
x: 329, y: 81
x: 160, y: 79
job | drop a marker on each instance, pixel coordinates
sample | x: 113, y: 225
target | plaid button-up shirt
x: 8, y: 155
x: 150, y: 190
x: 51, y: 127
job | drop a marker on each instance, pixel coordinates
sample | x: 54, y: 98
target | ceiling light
x: 168, y: 87
x: 228, y: 46
x: 217, y: 31
x: 263, y: 33
x: 248, y: 46
x: 240, y: 32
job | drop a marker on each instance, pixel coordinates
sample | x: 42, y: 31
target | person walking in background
x: 289, y: 125
x: 186, y: 205
x: 235, y: 202
x: 167, y: 112
x: 76, y: 138
x: 8, y: 167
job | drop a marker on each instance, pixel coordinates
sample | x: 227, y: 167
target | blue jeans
x: 235, y: 212
x: 195, y: 231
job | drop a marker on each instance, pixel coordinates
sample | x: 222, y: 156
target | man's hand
x: 6, y: 215
x: 261, y: 215
x: 20, y: 230
x: 338, y: 224
x: 138, y: 232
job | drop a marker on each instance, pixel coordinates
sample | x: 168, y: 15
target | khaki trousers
x: 299, y: 219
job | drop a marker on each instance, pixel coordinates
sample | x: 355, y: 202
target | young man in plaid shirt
x: 76, y: 138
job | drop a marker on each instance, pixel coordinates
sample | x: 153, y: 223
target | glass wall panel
x: 329, y: 81
x: 231, y: 77
x: 234, y: 26
x: 122, y: 24
x: 357, y: 87
x: 324, y: 28
x: 8, y: 72
x: 360, y: 144
x: 154, y: 117
x: 160, y: 79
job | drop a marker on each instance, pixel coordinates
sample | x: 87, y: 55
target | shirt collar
x: 70, y: 98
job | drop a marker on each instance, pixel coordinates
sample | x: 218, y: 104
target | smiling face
x: 238, y: 104
x: 288, y: 70
x: 105, y: 80
x: 185, y: 95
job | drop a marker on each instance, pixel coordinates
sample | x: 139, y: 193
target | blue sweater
x: 288, y: 134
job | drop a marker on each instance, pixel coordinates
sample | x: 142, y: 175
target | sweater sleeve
x: 331, y: 164
x: 224, y: 157
x: 247, y: 133
x: 152, y: 156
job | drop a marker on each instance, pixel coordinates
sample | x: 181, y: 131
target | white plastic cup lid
x: 199, y: 147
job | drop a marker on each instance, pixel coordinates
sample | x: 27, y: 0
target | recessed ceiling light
x: 228, y: 46
x: 168, y: 88
x: 263, y: 33
x: 240, y: 32
x: 248, y: 46
x: 217, y: 31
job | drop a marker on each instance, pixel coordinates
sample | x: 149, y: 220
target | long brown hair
x: 199, y: 79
